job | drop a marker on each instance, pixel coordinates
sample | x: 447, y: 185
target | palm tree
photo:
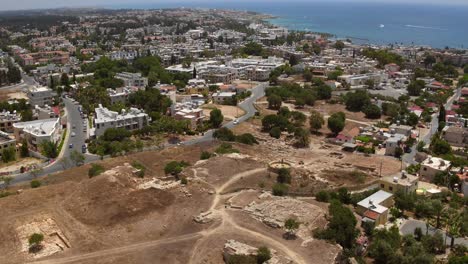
x: 454, y: 227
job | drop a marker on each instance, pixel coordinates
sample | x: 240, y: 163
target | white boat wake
x: 424, y: 27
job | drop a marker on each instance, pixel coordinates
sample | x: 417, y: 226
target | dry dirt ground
x: 322, y: 165
x: 111, y: 219
x: 229, y: 112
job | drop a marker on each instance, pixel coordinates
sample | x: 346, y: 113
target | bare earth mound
x: 114, y: 198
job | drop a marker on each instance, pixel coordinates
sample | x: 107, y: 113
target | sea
x: 434, y: 25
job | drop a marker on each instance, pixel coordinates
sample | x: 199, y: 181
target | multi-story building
x: 6, y: 141
x: 375, y: 207
x: 456, y: 136
x: 44, y: 57
x: 37, y: 131
x: 190, y: 112
x: 40, y: 96
x: 401, y: 181
x: 132, y: 79
x: 7, y: 119
x: 131, y: 120
x: 433, y: 165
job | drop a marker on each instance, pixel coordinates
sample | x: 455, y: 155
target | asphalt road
x: 408, y: 227
x: 74, y: 118
x: 247, y: 105
x: 408, y: 158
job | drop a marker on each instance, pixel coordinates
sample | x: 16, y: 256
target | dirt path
x: 119, y: 250
x: 228, y: 223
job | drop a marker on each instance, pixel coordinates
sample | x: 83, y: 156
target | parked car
x: 83, y: 148
x: 70, y: 146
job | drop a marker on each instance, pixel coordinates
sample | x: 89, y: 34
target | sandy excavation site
x: 225, y: 209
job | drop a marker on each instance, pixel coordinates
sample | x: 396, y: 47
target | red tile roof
x: 371, y: 214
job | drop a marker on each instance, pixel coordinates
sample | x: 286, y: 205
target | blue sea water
x: 378, y: 23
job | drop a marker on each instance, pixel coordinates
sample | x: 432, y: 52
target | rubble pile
x: 236, y: 248
x: 274, y: 211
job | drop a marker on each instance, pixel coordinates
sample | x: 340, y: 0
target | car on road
x: 83, y: 148
x: 73, y: 134
x: 236, y: 122
x: 70, y: 146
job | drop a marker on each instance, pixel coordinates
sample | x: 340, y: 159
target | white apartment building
x: 132, y: 79
x: 360, y: 79
x: 37, y: 131
x: 40, y: 96
x: 131, y: 120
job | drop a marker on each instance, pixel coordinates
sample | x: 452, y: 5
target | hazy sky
x: 32, y: 4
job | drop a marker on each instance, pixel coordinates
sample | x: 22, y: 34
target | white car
x: 73, y: 134
x: 236, y: 122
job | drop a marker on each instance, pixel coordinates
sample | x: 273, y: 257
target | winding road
x: 74, y: 118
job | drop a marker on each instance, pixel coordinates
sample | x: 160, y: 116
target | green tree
x: 442, y: 113
x: 95, y: 170
x: 8, y: 154
x: 316, y: 121
x: 64, y: 80
x: 224, y: 134
x: 357, y: 100
x: 437, y: 209
x: 274, y: 102
x: 293, y: 60
x: 322, y: 196
x: 429, y: 60
x: 24, y: 150
x: 247, y: 139
x: 336, y: 122
x: 35, y: 184
x: 263, y: 255
x: 175, y: 168
x: 440, y: 146
x: 412, y: 119
x: 339, y: 45
x: 415, y: 87
x: 205, y: 155
x: 372, y: 111
x: 216, y: 117
x: 341, y: 227
x: 284, y: 176
x: 35, y: 241
x: 275, y: 132
x: 302, y: 137
x: 280, y: 189
x: 324, y: 92
x: 291, y: 226
x: 49, y: 149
